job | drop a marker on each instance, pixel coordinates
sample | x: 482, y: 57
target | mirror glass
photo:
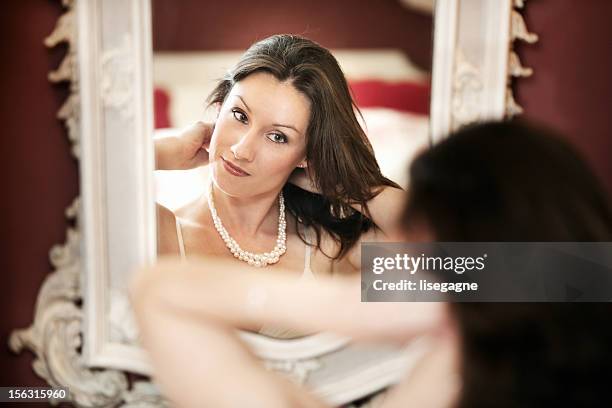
x: 387, y: 66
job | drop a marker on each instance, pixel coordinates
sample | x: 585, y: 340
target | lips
x: 233, y: 169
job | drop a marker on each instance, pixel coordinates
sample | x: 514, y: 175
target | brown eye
x: 277, y: 137
x: 239, y: 115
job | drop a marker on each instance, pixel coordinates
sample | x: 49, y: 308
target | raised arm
x: 386, y: 209
x: 201, y: 303
x: 184, y: 150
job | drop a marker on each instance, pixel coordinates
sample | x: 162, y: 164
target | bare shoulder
x: 167, y: 240
x: 192, y: 211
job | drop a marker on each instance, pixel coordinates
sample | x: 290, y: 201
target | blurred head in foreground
x: 504, y: 182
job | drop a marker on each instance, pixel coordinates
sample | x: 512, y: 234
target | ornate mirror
x: 83, y: 333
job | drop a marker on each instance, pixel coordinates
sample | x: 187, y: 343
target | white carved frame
x: 474, y: 64
x: 108, y: 66
x: 118, y: 205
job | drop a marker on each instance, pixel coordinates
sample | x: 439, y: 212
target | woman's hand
x: 302, y: 179
x: 186, y: 150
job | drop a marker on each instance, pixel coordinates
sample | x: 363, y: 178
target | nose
x: 244, y: 148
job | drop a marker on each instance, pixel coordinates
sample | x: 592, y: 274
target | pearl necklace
x: 258, y: 260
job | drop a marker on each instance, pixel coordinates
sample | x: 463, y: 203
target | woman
x: 295, y: 184
x: 470, y: 187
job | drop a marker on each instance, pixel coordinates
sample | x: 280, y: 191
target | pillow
x: 410, y: 97
x: 161, y: 108
x: 396, y: 137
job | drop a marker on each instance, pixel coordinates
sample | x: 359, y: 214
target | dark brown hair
x: 507, y: 182
x: 512, y: 182
x: 338, y: 152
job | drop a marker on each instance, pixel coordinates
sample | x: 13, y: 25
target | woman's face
x: 259, y: 136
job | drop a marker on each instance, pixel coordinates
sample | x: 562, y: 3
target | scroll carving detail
x: 117, y: 78
x: 518, y: 32
x: 467, y: 87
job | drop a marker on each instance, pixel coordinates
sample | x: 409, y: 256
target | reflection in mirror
x: 296, y: 132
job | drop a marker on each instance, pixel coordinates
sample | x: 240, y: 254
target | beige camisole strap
x: 179, y: 235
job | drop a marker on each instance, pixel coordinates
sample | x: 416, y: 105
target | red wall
x: 236, y: 24
x: 40, y: 177
x: 570, y: 90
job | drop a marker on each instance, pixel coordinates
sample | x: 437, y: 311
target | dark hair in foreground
x: 510, y: 182
x: 338, y: 151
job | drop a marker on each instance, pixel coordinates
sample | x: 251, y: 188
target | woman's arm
x: 184, y: 151
x: 201, y: 303
x: 221, y: 290
x: 200, y: 362
x: 167, y: 239
x: 386, y: 209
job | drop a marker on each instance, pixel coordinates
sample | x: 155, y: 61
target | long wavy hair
x: 512, y: 182
x: 338, y: 152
